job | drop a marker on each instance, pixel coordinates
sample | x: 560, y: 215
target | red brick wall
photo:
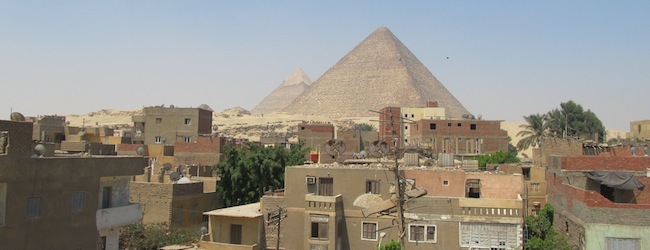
x: 605, y: 163
x: 385, y: 130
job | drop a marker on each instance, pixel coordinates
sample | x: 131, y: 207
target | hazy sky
x: 507, y: 59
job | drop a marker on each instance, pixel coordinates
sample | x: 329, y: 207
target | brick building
x: 460, y: 137
x: 595, y: 213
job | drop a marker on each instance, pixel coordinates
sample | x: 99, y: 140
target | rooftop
x: 244, y: 211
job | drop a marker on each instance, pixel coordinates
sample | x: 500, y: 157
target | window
x: 103, y: 246
x: 369, y: 230
x: 4, y: 142
x: 473, y: 188
x: 489, y: 235
x: 187, y: 139
x: 158, y: 139
x: 445, y: 183
x: 526, y: 173
x: 158, y: 120
x: 623, y: 243
x: 106, y: 197
x: 459, y: 124
x: 406, y: 127
x: 235, y: 234
x: 188, y: 121
x: 78, y: 201
x: 372, y: 186
x: 406, y: 115
x: 449, y: 124
x: 472, y: 126
x: 302, y: 128
x: 424, y: 233
x: 319, y: 226
x: 412, y: 116
x: 33, y: 208
x: 432, y: 126
x: 3, y: 203
x: 326, y: 186
x: 535, y: 186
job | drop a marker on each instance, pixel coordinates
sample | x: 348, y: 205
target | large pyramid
x: 379, y: 72
x: 284, y: 94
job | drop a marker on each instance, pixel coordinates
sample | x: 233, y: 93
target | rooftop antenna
x: 393, y: 120
x: 335, y: 148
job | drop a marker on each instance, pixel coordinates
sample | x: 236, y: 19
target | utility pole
x: 275, y: 218
x: 398, y: 178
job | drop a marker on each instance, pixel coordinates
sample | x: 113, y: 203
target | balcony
x: 118, y: 216
x: 324, y: 203
x: 491, y: 207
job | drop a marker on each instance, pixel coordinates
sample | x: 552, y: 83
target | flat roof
x: 243, y: 211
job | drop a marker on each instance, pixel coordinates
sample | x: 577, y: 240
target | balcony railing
x: 491, y: 207
x: 118, y: 216
x: 323, y: 203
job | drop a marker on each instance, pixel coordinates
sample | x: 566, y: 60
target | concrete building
x: 459, y: 137
x: 179, y: 205
x: 235, y: 228
x: 353, y: 207
x: 161, y: 125
x: 639, y: 130
x: 599, y: 200
x: 62, y: 202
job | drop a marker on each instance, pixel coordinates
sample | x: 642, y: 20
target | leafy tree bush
x: 391, y: 245
x: 154, y: 236
x: 572, y: 120
x: 365, y: 127
x: 246, y: 171
x: 498, y: 157
x: 541, y: 234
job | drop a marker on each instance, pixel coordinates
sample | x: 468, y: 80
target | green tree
x: 571, y: 120
x: 535, y: 131
x: 391, y: 245
x: 365, y: 127
x: 499, y: 157
x: 154, y: 236
x: 541, y: 235
x: 245, y: 172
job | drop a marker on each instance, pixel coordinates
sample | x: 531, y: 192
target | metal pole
x: 277, y: 243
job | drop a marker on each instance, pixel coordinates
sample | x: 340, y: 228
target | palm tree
x: 535, y: 131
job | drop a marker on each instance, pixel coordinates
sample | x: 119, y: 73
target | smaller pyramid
x: 284, y: 94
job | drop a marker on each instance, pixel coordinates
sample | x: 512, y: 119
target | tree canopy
x: 534, y: 131
x: 245, y: 172
x: 571, y: 120
x: 541, y: 235
x: 499, y: 157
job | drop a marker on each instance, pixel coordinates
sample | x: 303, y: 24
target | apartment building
x: 62, y: 202
x: 168, y: 125
x: 336, y: 206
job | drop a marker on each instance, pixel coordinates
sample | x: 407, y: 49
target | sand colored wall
x: 251, y: 229
x: 596, y: 234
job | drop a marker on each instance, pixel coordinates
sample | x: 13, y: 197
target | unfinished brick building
x: 594, y: 212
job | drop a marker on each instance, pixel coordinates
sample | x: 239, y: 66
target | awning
x: 616, y: 179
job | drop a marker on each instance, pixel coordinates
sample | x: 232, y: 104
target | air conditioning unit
x: 310, y: 180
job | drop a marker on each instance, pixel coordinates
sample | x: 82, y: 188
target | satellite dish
x: 167, y: 166
x: 184, y: 180
x: 174, y: 176
x: 17, y: 117
x: 39, y: 151
x: 379, y: 148
x: 363, y: 154
x: 335, y: 147
x: 140, y: 151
